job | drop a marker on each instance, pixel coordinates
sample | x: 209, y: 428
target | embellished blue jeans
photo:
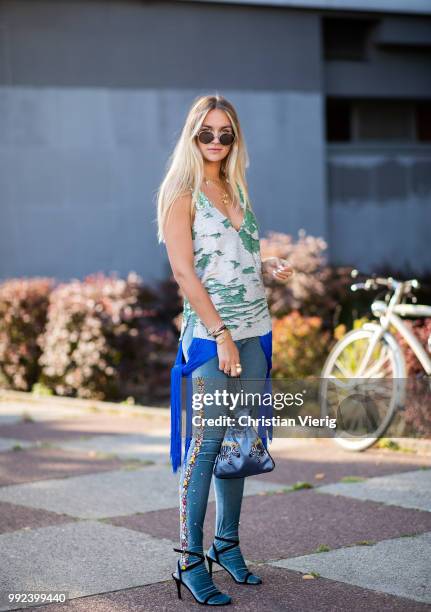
x: 197, y: 468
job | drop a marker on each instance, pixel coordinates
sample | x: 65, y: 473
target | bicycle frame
x: 388, y: 314
x: 391, y: 317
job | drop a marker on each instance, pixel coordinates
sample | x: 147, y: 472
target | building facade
x: 334, y: 99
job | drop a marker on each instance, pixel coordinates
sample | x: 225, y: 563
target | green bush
x: 23, y: 312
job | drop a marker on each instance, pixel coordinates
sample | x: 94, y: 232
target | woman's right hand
x: 228, y: 356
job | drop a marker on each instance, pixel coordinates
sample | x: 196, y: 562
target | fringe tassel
x: 266, y: 410
x: 176, y: 375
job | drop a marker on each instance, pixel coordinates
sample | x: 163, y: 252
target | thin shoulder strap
x: 192, y: 209
x: 241, y: 196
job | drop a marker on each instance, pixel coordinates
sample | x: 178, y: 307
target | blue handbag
x: 242, y: 453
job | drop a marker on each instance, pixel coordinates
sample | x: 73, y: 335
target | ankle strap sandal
x: 217, y: 553
x: 190, y: 552
x: 179, y: 581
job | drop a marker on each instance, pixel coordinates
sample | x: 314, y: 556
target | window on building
x: 346, y: 39
x: 383, y: 120
x: 338, y: 112
x: 423, y: 121
x: 350, y: 120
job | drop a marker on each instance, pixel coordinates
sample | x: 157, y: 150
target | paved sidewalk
x: 88, y: 506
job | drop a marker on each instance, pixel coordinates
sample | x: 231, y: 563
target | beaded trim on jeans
x: 184, y: 482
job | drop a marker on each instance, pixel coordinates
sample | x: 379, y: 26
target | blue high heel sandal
x: 214, y: 597
x: 217, y: 552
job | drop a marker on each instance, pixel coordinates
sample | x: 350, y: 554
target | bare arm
x: 179, y: 245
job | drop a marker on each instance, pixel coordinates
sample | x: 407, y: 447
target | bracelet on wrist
x: 222, y: 336
x: 214, y: 330
x: 221, y: 331
x: 218, y: 330
x: 221, y: 339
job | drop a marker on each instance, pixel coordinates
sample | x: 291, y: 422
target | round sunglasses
x: 207, y: 136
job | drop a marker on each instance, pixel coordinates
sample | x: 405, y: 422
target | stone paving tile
x: 284, y: 525
x: 281, y: 591
x: 408, y: 490
x: 89, y: 424
x: 318, y: 472
x: 121, y: 492
x: 14, y: 517
x: 82, y: 558
x: 324, y: 450
x: 13, y: 412
x: 8, y: 443
x: 46, y: 463
x: 126, y: 446
x: 399, y: 567
x: 6, y: 419
x: 48, y: 431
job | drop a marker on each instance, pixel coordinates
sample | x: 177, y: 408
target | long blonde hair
x: 185, y: 168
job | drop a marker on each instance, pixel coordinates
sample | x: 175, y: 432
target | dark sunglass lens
x: 206, y: 137
x: 227, y: 139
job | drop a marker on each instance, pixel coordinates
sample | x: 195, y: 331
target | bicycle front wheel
x: 362, y: 384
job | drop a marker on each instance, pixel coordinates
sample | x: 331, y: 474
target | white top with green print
x: 228, y: 263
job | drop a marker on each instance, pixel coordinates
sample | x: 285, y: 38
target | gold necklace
x: 225, y: 196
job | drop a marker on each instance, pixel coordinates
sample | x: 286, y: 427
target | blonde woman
x: 211, y: 235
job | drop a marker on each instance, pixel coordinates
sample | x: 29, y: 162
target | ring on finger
x: 236, y: 367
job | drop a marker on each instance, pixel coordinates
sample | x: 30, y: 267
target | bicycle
x: 369, y: 353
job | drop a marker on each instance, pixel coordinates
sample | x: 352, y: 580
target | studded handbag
x: 242, y: 453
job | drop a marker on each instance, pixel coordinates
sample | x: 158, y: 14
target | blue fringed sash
x: 200, y: 351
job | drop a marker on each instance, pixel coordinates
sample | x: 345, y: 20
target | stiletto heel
x: 210, y: 565
x: 178, y: 583
x: 223, y: 599
x: 218, y: 552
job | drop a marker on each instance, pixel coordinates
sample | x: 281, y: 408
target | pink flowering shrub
x: 316, y: 288
x: 23, y: 311
x: 417, y: 411
x: 107, y: 338
x: 421, y: 329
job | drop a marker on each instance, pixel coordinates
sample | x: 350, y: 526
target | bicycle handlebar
x: 389, y: 282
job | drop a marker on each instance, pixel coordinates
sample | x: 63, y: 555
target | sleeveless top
x: 228, y: 263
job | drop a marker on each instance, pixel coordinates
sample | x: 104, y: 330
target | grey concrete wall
x: 92, y: 98
x: 380, y: 206
x: 78, y: 190
x: 386, y: 6
x: 133, y: 44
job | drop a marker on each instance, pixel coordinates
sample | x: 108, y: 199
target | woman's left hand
x: 281, y: 271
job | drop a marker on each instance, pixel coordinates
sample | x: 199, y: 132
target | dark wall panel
x: 159, y: 44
